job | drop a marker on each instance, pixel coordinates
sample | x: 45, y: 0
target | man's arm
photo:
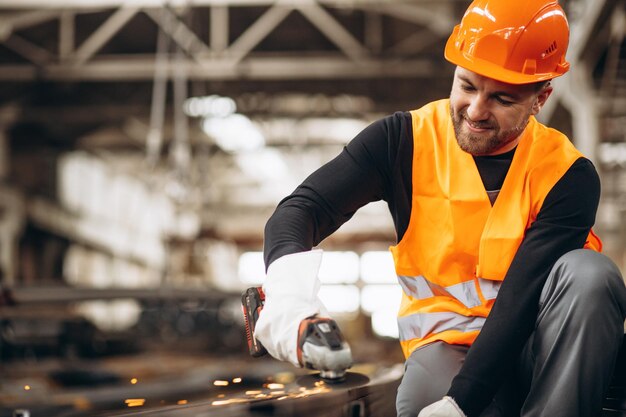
x: 365, y: 171
x: 318, y: 207
x: 562, y: 225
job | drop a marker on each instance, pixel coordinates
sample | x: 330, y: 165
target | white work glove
x: 446, y: 407
x: 290, y: 288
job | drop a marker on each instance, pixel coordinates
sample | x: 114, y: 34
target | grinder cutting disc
x: 349, y: 380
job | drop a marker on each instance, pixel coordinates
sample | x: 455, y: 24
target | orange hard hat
x: 513, y: 42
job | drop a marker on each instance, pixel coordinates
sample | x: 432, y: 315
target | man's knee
x: 589, y: 277
x: 588, y: 269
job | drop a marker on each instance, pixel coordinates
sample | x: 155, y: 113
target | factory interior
x: 144, y: 144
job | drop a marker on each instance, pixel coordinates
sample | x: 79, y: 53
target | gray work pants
x: 566, y: 364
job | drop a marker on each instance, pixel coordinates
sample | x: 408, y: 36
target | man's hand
x: 446, y: 407
x: 290, y: 288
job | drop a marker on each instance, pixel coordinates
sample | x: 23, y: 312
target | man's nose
x: 477, y: 109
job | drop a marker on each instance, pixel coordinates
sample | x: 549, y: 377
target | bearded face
x: 488, y: 115
x: 485, y: 137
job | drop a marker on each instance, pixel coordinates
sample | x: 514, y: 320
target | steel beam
x: 91, y: 4
x: 334, y: 31
x: 420, y: 14
x: 216, y: 59
x: 579, y: 100
x: 104, y: 33
x: 33, y: 53
x: 374, y: 32
x: 219, y: 28
x: 21, y: 20
x: 413, y: 44
x: 66, y: 35
x: 117, y: 69
x: 184, y: 37
x: 257, y: 32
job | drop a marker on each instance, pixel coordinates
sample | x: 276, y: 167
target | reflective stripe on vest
x: 489, y: 288
x: 420, y: 325
x: 420, y: 288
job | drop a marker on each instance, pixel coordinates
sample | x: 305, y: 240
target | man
x: 493, y: 213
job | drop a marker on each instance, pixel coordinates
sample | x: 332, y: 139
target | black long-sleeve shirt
x: 377, y: 164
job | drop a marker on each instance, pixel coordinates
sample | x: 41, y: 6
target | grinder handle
x: 252, y: 301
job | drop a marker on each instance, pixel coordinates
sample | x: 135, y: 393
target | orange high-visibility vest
x: 457, y: 248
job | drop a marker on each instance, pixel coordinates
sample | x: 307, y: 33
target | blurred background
x: 144, y: 144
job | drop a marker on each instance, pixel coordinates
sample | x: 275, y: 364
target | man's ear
x: 541, y: 99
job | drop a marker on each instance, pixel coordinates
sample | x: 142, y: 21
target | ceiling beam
x: 178, y: 31
x: 257, y: 32
x: 20, y: 20
x: 334, y: 31
x: 287, y: 68
x: 104, y: 33
x: 33, y: 53
x: 219, y: 28
x: 90, y: 4
x: 67, y: 35
x: 215, y: 58
x: 420, y: 13
x: 413, y: 44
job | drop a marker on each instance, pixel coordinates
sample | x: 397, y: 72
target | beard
x: 487, y: 142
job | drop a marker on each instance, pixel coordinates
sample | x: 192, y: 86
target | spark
x: 231, y: 401
x: 135, y: 402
